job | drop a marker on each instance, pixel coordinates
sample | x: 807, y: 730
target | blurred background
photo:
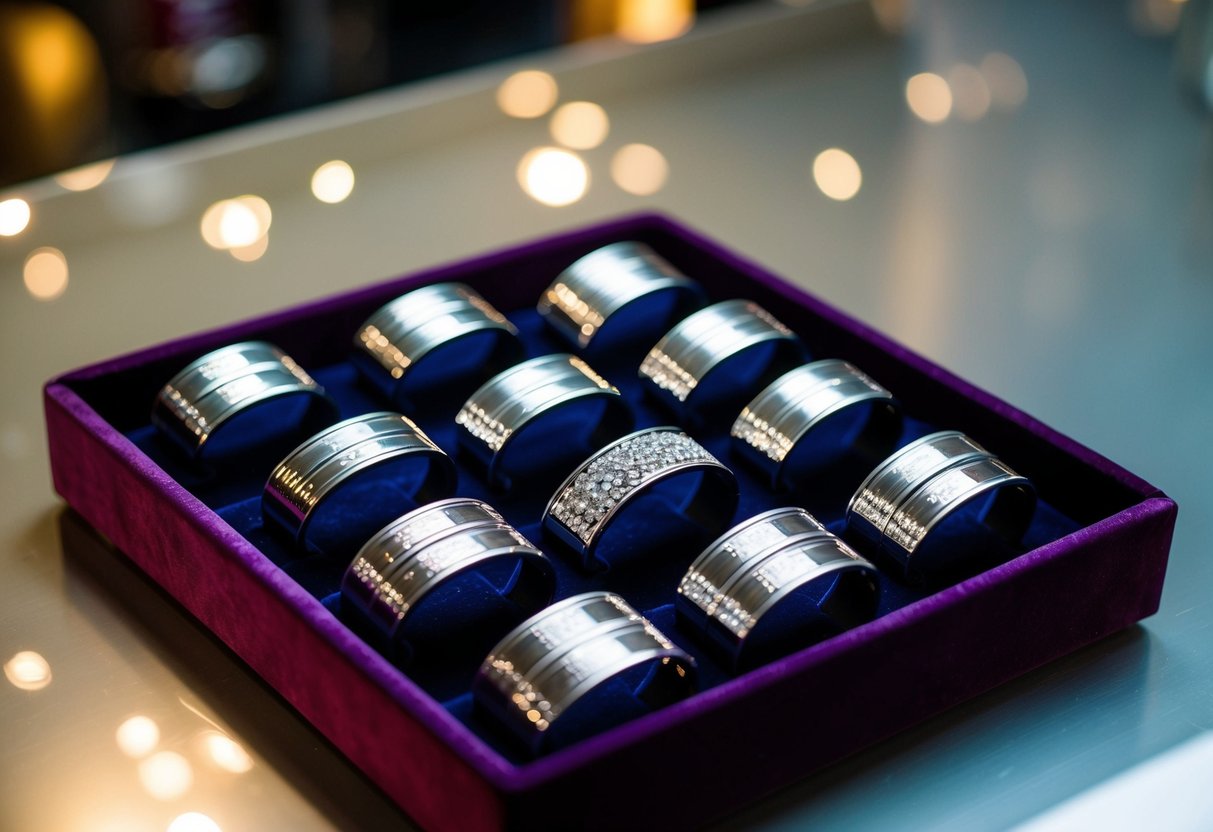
x: 83, y: 81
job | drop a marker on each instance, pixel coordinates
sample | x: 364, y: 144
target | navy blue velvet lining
x: 449, y: 653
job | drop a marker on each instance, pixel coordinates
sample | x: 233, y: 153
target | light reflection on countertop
x: 1046, y: 234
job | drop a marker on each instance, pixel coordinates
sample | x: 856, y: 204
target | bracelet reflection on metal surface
x: 550, y: 661
x: 212, y: 389
x: 680, y: 362
x: 915, y: 489
x: 418, y: 552
x: 315, y: 470
x: 594, y: 494
x: 403, y: 332
x: 757, y: 564
x: 787, y: 411
x: 583, y: 298
x: 526, y: 393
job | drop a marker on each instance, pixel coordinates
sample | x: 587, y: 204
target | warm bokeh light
x: 639, y: 169
x: 552, y: 176
x: 14, y: 216
x: 333, y: 182
x: 85, y: 178
x: 236, y: 223
x: 226, y: 753
x: 929, y: 97
x: 253, y: 251
x: 1006, y: 79
x: 651, y: 21
x: 1155, y: 17
x: 580, y: 125
x: 970, y: 92
x: 837, y: 174
x: 28, y: 670
x: 193, y: 822
x: 166, y: 775
x: 527, y: 94
x: 45, y: 273
x: 138, y: 736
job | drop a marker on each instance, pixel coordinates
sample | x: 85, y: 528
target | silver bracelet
x: 913, y: 491
x: 408, y: 465
x: 596, y: 493
x: 416, y: 554
x: 586, y: 298
x: 785, y: 416
x: 417, y: 327
x: 231, y: 381
x: 538, y: 672
x: 758, y: 564
x: 679, y: 365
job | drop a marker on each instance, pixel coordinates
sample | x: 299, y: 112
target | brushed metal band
x: 757, y: 564
x: 785, y: 414
x: 677, y: 366
x: 314, y: 471
x: 584, y: 297
x: 402, y: 333
x: 197, y: 402
x: 418, y: 552
x: 594, y: 495
x: 919, y: 486
x: 524, y: 394
x: 553, y: 659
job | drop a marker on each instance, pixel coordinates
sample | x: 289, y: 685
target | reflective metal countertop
x: 1020, y: 191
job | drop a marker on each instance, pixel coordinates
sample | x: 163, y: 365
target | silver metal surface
x: 524, y: 394
x: 551, y: 660
x: 583, y: 298
x: 209, y: 391
x: 701, y: 342
x: 311, y: 473
x: 400, y: 335
x: 785, y: 413
x: 415, y: 554
x: 597, y: 492
x: 755, y: 565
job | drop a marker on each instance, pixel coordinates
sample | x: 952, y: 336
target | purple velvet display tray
x: 1101, y: 571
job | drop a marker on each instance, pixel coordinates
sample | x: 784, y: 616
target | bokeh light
x: 236, y: 223
x: 85, y: 178
x: 1006, y: 79
x: 226, y: 753
x: 138, y: 736
x: 166, y: 775
x: 333, y: 182
x: 14, y: 216
x: 45, y: 273
x: 553, y: 176
x: 639, y: 169
x: 652, y: 21
x: 837, y: 174
x: 580, y: 125
x: 527, y: 94
x: 253, y: 251
x: 28, y: 670
x: 970, y: 92
x: 193, y: 822
x: 929, y: 97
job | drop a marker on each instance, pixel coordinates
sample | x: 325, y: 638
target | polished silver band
x: 757, y: 564
x: 584, y: 297
x: 403, y: 332
x: 787, y: 411
x: 418, y: 552
x: 550, y: 661
x: 525, y: 393
x: 315, y: 470
x: 594, y: 494
x: 200, y: 399
x: 680, y: 362
x: 915, y: 489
